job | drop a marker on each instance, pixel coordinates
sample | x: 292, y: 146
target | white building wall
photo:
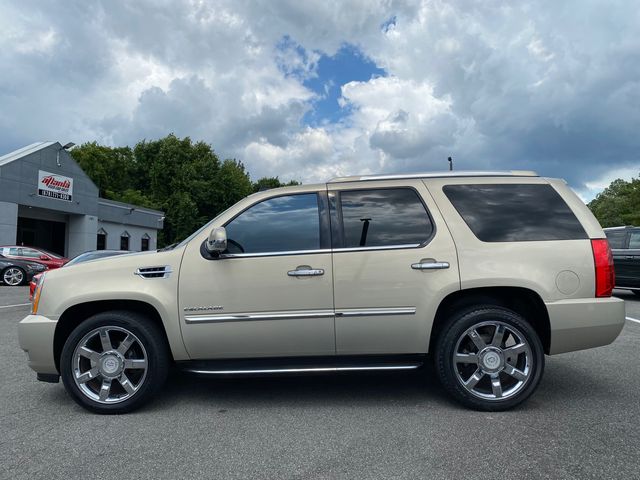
x: 81, y: 234
x: 8, y: 223
x: 115, y: 230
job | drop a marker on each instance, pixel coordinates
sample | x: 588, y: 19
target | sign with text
x: 54, y: 186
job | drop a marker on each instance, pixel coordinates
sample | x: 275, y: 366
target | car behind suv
x: 32, y: 254
x: 625, y: 244
x: 485, y: 272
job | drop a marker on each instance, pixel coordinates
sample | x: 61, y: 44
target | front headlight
x: 36, y: 294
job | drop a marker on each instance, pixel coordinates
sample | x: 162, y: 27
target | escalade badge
x: 203, y: 309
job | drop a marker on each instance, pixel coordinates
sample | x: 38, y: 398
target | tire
x: 490, y: 372
x: 132, y: 361
x: 13, y: 276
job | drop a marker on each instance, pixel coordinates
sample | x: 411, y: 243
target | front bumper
x: 35, y: 335
x: 583, y: 323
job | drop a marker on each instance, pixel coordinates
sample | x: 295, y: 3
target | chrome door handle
x: 305, y: 271
x: 432, y: 265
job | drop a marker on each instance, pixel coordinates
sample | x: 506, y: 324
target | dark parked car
x: 50, y: 259
x: 83, y: 257
x: 16, y: 272
x: 625, y: 245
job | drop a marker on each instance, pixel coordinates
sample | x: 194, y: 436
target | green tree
x: 109, y: 168
x: 618, y: 204
x: 184, y: 179
x: 267, y: 183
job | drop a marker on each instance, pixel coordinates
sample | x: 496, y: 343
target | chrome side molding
x: 244, y: 317
x: 298, y: 314
x: 370, y: 312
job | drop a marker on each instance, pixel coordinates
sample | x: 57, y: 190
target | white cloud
x: 547, y: 86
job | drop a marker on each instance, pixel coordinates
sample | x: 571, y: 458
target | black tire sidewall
x: 459, y: 323
x: 153, y: 341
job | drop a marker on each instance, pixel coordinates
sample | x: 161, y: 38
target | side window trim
x: 336, y: 218
x: 324, y: 222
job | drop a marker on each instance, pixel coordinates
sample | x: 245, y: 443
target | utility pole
x: 450, y: 163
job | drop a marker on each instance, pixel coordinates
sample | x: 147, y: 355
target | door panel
x: 383, y: 305
x: 271, y: 292
x: 264, y: 311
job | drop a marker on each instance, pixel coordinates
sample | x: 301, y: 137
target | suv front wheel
x: 489, y: 358
x: 114, y: 362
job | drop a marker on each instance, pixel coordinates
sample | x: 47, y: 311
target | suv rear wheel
x: 114, y: 362
x: 489, y: 358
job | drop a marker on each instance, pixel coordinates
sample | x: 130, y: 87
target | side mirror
x: 217, y: 241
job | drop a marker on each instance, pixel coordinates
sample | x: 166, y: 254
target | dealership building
x: 47, y: 201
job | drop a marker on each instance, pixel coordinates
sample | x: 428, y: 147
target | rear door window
x: 515, y: 212
x: 384, y: 218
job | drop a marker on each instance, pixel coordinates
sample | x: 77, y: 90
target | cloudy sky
x: 309, y: 90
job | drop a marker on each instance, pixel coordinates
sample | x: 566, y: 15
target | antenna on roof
x: 450, y: 163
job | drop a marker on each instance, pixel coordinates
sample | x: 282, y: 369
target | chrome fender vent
x: 154, y: 272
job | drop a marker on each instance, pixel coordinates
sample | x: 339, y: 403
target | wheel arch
x: 76, y: 314
x: 523, y: 301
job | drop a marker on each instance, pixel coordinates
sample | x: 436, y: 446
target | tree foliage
x: 618, y: 204
x: 184, y: 179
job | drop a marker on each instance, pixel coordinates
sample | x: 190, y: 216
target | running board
x: 259, y: 367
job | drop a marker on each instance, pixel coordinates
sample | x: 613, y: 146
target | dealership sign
x: 54, y: 186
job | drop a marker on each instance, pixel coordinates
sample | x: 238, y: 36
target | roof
x: 128, y: 206
x: 457, y: 173
x: 23, y: 152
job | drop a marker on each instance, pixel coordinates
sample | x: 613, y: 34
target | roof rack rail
x: 460, y: 173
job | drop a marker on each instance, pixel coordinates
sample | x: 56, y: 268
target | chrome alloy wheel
x: 109, y: 364
x: 13, y: 276
x: 493, y: 360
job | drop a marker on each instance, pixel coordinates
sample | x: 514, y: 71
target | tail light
x: 603, y: 262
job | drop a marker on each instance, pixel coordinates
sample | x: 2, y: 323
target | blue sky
x: 311, y: 90
x: 348, y: 64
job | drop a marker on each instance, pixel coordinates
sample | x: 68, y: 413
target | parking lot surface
x: 581, y: 424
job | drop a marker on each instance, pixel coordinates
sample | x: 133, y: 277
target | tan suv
x: 484, y: 271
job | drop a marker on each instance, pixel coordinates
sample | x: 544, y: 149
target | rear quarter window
x: 515, y: 212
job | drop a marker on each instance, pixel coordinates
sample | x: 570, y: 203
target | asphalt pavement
x: 582, y: 423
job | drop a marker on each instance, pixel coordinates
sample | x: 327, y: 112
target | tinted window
x: 634, y: 240
x: 15, y: 251
x: 124, y: 243
x: 616, y: 238
x: 144, y: 244
x: 512, y: 213
x: 384, y: 217
x: 279, y: 224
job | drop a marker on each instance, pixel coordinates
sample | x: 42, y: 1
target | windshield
x: 51, y: 254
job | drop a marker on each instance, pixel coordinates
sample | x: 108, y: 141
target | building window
x: 144, y: 243
x: 124, y: 241
x: 101, y: 243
